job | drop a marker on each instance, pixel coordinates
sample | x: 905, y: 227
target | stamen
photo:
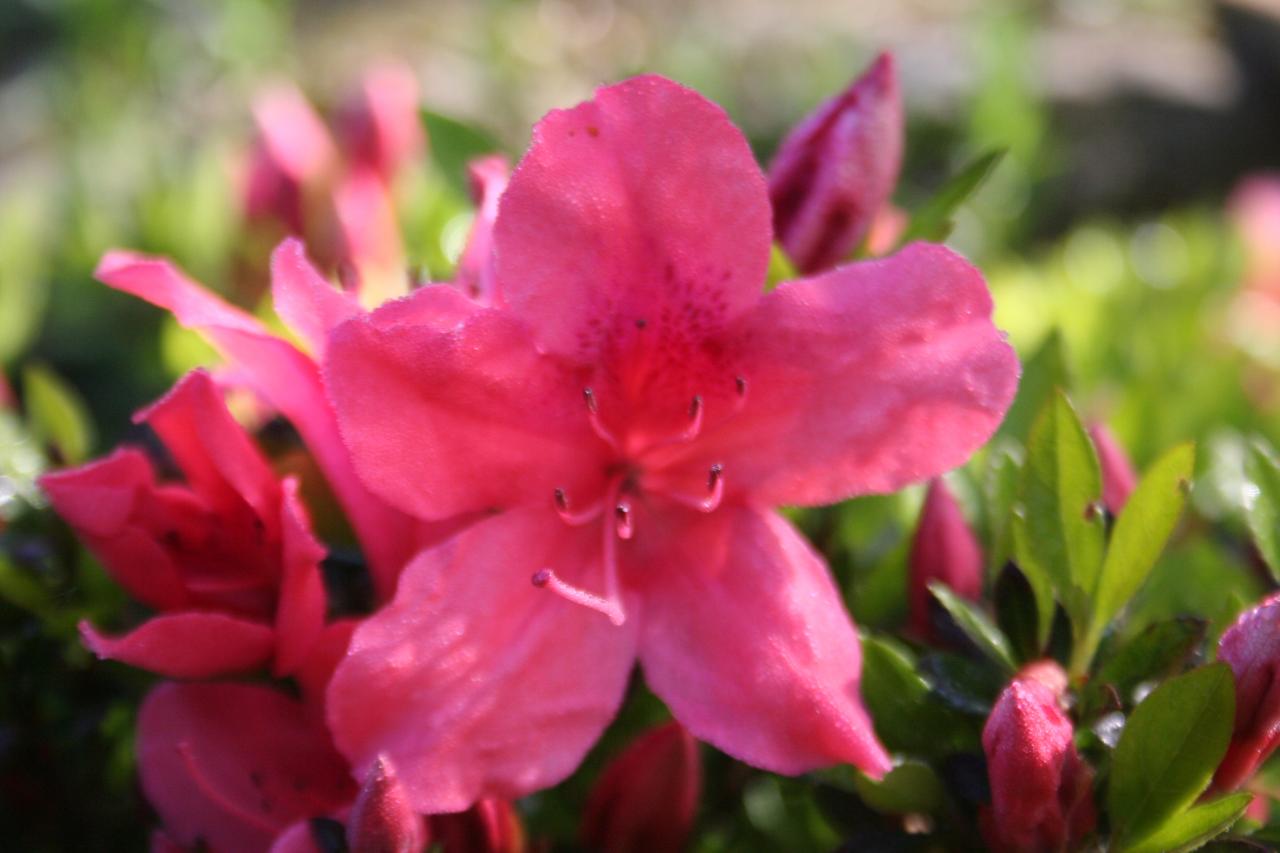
x: 715, y: 492
x: 576, y: 519
x: 593, y: 416
x: 546, y: 579
x: 624, y: 522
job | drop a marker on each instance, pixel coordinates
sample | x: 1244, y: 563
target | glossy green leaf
x: 1060, y: 533
x: 1144, y: 526
x: 1170, y: 747
x: 906, y: 713
x: 989, y: 639
x: 910, y: 788
x: 1262, y: 503
x: 1193, y: 827
x: 1156, y: 652
x: 56, y: 414
x: 454, y: 144
x: 933, y: 221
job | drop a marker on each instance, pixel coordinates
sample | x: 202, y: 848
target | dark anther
x: 540, y: 577
x: 641, y: 322
x: 590, y: 397
x: 713, y: 476
x: 562, y: 502
x: 695, y: 406
x: 741, y: 384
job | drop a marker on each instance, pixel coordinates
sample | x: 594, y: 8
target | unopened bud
x: 382, y: 819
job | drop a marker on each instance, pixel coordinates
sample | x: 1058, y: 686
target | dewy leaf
x: 1194, y: 827
x: 1160, y: 649
x: 976, y: 626
x: 56, y: 414
x: 910, y: 788
x: 1041, y: 374
x: 1262, y: 503
x: 933, y: 221
x: 1170, y: 747
x: 1140, y: 534
x: 454, y: 144
x: 907, y: 716
x: 1060, y: 533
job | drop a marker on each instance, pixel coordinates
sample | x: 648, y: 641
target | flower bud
x: 382, y: 819
x: 646, y: 798
x: 1118, y: 476
x: 490, y: 826
x: 836, y: 169
x: 1040, y: 788
x: 380, y: 128
x: 1251, y: 647
x: 944, y: 549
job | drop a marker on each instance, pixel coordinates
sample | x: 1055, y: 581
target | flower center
x: 615, y: 510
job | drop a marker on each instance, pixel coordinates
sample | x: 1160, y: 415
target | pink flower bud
x: 836, y: 170
x: 1251, y: 647
x: 382, y: 820
x: 490, y: 826
x: 646, y: 798
x: 1118, y: 476
x: 380, y: 128
x: 1040, y: 788
x: 944, y: 549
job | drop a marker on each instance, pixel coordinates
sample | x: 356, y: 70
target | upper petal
x: 309, y: 305
x: 865, y: 379
x: 191, y: 644
x: 235, y: 764
x: 473, y: 681
x: 747, y: 641
x: 445, y: 419
x: 644, y: 204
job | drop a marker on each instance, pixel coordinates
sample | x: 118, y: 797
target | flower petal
x: 191, y: 644
x: 643, y: 204
x: 475, y: 273
x: 300, y: 612
x: 476, y: 683
x: 460, y: 418
x: 235, y: 764
x: 865, y: 379
x: 309, y: 305
x: 290, y: 382
x: 747, y: 641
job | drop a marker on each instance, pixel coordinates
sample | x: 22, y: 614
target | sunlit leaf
x: 1262, y: 503
x: 56, y: 414
x: 934, y: 220
x: 976, y: 626
x: 1193, y: 827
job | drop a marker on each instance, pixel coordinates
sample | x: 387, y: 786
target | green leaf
x: 1170, y: 747
x: 933, y: 221
x: 1193, y: 827
x: 1262, y: 503
x: 1019, y: 613
x: 780, y: 268
x: 453, y: 145
x: 1140, y: 534
x: 56, y: 414
x: 975, y: 625
x: 910, y: 788
x: 1043, y: 372
x: 906, y: 713
x: 1159, y: 650
x: 1060, y: 533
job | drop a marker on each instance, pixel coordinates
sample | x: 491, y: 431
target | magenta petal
x: 837, y: 169
x: 473, y: 681
x: 475, y: 275
x: 643, y: 204
x: 865, y: 379
x: 235, y: 764
x: 289, y: 381
x: 293, y: 134
x: 300, y: 613
x: 748, y: 642
x: 191, y: 644
x: 309, y: 305
x: 460, y: 418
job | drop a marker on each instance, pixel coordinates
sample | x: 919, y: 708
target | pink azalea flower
x: 944, y: 549
x: 625, y: 419
x: 1251, y: 647
x: 1118, y: 477
x: 832, y: 177
x: 647, y: 797
x: 228, y: 559
x: 1041, y: 797
x: 235, y: 765
x: 1255, y: 314
x: 490, y: 826
x: 287, y: 378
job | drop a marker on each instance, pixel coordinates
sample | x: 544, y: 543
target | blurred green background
x: 122, y: 123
